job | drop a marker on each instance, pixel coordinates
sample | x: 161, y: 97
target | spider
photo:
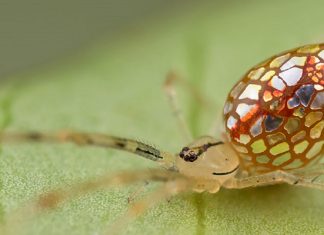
x: 273, y: 120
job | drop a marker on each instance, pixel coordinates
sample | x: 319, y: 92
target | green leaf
x: 115, y: 88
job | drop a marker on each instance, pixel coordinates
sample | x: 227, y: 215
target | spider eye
x: 191, y: 158
x: 185, y: 149
x: 188, y: 155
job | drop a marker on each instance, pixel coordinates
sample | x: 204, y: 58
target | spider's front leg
x: 173, y: 79
x: 276, y: 177
x: 171, y: 94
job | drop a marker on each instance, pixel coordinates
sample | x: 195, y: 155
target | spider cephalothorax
x: 207, y: 158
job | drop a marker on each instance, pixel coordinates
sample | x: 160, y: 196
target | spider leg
x: 165, y: 192
x: 276, y: 177
x: 315, y: 170
x: 169, y: 87
x: 171, y: 94
x: 315, y: 173
x: 94, y: 139
x: 217, y: 127
x: 139, y: 190
x: 55, y: 198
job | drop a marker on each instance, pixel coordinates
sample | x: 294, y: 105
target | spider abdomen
x: 274, y: 114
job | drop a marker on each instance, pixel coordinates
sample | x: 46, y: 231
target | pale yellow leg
x: 169, y: 87
x: 51, y: 200
x: 173, y: 101
x: 311, y: 174
x: 139, y: 190
x: 217, y: 127
x: 276, y: 177
x: 166, y: 191
x: 93, y: 139
x: 314, y: 171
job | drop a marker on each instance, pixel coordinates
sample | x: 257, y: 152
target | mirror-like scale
x: 274, y: 114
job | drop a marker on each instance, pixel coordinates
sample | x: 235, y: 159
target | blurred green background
x: 35, y: 32
x: 99, y: 66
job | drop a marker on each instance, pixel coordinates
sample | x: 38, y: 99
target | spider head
x: 208, y: 159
